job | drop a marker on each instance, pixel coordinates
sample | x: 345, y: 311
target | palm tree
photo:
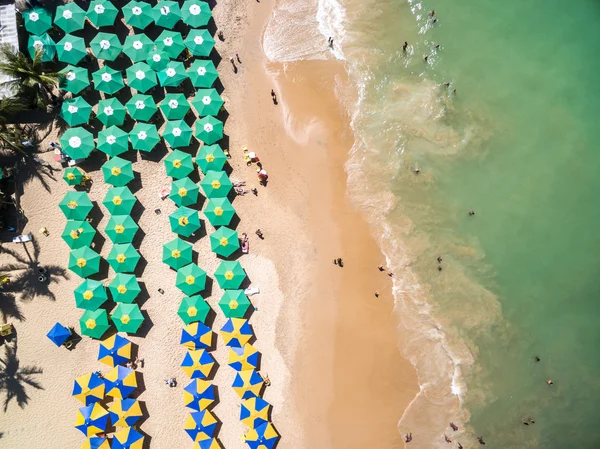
x: 14, y: 378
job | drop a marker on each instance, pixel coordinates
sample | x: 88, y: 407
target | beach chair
x: 6, y: 330
x: 246, y: 155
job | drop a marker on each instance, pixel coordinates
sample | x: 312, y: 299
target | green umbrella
x: 184, y: 221
x: 177, y: 133
x: 70, y: 17
x: 173, y: 75
x: 219, y: 212
x: 123, y: 258
x: 211, y: 157
x: 171, y: 42
x: 174, y: 106
x: 144, y: 137
x: 107, y: 80
x: 234, y: 304
x: 90, y: 295
x: 113, y: 141
x: 230, y: 274
x: 78, y: 143
x: 76, y: 205
x: 216, y: 184
x: 124, y: 288
x: 106, y: 46
x: 179, y: 164
x: 37, y: 20
x: 157, y: 59
x: 71, y: 49
x: 193, y: 308
x: 200, y: 43
x: 184, y: 192
x: 75, y: 79
x: 78, y: 234
x: 207, y: 102
x: 224, y: 241
x: 138, y: 14
x: 166, y: 14
x: 141, y: 107
x: 141, y: 77
x: 119, y: 200
x: 121, y: 229
x: 117, y: 171
x: 75, y: 111
x: 102, y: 13
x: 209, y: 129
x: 73, y: 176
x: 190, y: 279
x: 43, y: 44
x: 111, y: 112
x: 195, y: 13
x: 137, y: 47
x: 127, y: 317
x: 203, y: 73
x: 84, y: 261
x: 177, y: 253
x: 94, y: 323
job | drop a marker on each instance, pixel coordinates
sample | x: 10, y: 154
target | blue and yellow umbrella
x: 210, y: 443
x: 199, y: 395
x: 255, y: 412
x: 201, y: 425
x: 91, y: 420
x: 128, y: 438
x: 198, y: 364
x: 88, y: 388
x: 248, y: 384
x: 263, y: 437
x: 115, y: 350
x: 95, y: 443
x: 196, y: 336
x: 236, y: 332
x: 120, y: 382
x: 244, y: 359
x: 125, y: 412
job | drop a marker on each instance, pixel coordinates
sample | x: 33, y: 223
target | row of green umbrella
x: 91, y: 294
x: 85, y: 262
x: 126, y: 318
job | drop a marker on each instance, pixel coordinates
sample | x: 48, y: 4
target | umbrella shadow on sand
x: 15, y: 378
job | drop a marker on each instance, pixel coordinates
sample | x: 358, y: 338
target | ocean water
x: 516, y: 143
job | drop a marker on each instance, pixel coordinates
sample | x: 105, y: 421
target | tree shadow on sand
x: 14, y: 378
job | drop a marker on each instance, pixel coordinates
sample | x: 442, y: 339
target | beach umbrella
x: 248, y: 384
x: 195, y: 13
x: 177, y: 253
x: 141, y: 107
x: 170, y: 42
x: 178, y: 164
x: 88, y: 388
x: 207, y: 102
x: 120, y: 382
x: 157, y: 59
x: 177, y: 133
x: 190, y: 279
x: 141, y: 77
x: 71, y: 49
x: 42, y: 44
x: 198, y: 364
x: 230, y: 274
x: 59, y: 334
x: 113, y: 141
x: 75, y: 111
x: 211, y: 157
x: 234, y: 303
x: 70, y: 17
x: 173, y: 74
x: 262, y: 437
x: 78, y: 234
x: 137, y: 47
x: 184, y: 221
x: 73, y: 176
x: 111, y: 112
x: 193, y: 308
x: 199, y: 394
x: 125, y: 412
x: 107, y: 80
x: 127, y: 317
x: 184, y: 192
x: 76, y: 205
x: 174, y: 106
x: 216, y: 184
x: 119, y: 200
x: 236, y: 332
x: 106, y: 46
x: 91, y: 420
x: 121, y: 229
x: 203, y: 73
x: 254, y: 412
x: 115, y: 350
x: 95, y: 443
x: 123, y: 258
x: 84, y: 261
x: 124, y: 288
x: 219, y: 211
x: 37, y: 20
x: 196, y: 336
x: 75, y: 79
x: 209, y: 443
x: 138, y: 14
x: 94, y: 323
x: 209, y: 129
x: 243, y: 359
x: 90, y: 295
x: 200, y: 43
x: 144, y: 137
x: 78, y: 142
x: 224, y: 241
x: 128, y: 438
x: 200, y: 425
x: 166, y: 14
x: 117, y: 171
x: 102, y: 13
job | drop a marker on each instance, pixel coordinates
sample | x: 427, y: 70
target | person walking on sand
x: 408, y: 437
x: 448, y: 440
x: 274, y: 97
x: 404, y: 46
x: 235, y: 69
x: 454, y: 426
